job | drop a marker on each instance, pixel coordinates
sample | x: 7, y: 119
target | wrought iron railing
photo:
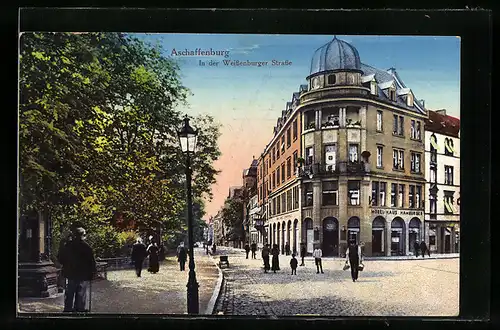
x: 339, y: 168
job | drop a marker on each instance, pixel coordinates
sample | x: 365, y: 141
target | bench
x: 102, y: 270
x: 223, y: 260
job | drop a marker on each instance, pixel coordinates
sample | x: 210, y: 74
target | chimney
x: 423, y: 103
x: 441, y: 112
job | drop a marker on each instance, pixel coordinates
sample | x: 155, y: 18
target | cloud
x: 244, y: 50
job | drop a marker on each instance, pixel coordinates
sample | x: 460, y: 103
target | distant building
x: 442, y: 192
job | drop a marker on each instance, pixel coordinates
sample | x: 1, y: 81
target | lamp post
x: 187, y: 138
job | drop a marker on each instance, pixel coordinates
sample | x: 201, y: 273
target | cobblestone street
x: 427, y: 287
x: 123, y: 292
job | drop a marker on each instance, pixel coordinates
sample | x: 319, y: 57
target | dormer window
x: 373, y: 88
x: 409, y: 100
x: 332, y: 79
x: 392, y: 94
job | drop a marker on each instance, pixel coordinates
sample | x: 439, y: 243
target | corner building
x: 360, y: 166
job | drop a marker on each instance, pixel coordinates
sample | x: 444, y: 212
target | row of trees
x: 98, y: 125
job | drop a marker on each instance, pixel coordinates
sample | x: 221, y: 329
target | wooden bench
x: 223, y: 260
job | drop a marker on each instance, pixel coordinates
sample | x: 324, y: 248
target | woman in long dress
x: 275, y: 265
x: 154, y: 265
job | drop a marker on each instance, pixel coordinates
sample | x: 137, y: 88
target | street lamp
x: 187, y: 138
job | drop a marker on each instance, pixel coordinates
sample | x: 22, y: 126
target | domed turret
x: 335, y: 55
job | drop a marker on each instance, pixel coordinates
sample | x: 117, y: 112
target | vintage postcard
x: 239, y: 174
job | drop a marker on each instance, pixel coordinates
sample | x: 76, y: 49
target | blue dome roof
x: 335, y: 55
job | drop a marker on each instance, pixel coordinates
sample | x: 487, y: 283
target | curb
x: 217, y: 290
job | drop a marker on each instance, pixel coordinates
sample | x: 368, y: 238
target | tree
x: 232, y: 216
x: 98, y: 132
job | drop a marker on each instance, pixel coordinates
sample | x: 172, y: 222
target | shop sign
x: 396, y: 212
x: 330, y: 226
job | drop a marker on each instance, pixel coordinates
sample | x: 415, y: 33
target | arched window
x: 332, y: 79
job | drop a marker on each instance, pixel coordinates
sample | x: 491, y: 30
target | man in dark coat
x: 78, y: 267
x: 247, y: 249
x: 354, y: 257
x: 275, y: 261
x: 287, y: 248
x: 424, y: 249
x: 253, y: 247
x: 182, y: 257
x: 302, y: 253
x: 139, y: 253
x: 416, y: 247
x: 265, y: 256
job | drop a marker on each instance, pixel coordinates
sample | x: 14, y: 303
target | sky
x: 247, y: 100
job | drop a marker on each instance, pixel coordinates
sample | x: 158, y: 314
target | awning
x: 255, y: 210
x: 434, y: 144
x: 448, y: 207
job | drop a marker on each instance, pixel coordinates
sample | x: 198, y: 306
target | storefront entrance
x: 397, y: 237
x: 414, y: 233
x: 378, y: 236
x: 330, y: 237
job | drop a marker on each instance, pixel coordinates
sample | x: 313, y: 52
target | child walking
x: 293, y: 264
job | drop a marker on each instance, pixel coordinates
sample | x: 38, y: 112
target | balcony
x: 340, y: 168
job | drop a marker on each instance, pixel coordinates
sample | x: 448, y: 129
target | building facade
x: 355, y: 135
x: 442, y: 193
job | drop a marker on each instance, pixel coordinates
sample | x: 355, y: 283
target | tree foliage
x: 232, y: 216
x: 97, y: 132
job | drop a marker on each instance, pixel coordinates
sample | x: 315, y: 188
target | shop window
x: 330, y: 192
x: 354, y: 192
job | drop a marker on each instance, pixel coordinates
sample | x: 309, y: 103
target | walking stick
x: 90, y: 296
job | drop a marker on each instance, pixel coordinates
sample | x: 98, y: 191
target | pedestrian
x: 247, y: 249
x: 416, y: 247
x: 254, y: 250
x: 275, y: 263
x: 354, y: 258
x: 139, y: 253
x: 424, y: 249
x: 182, y: 256
x: 214, y: 248
x: 317, y: 254
x: 154, y: 264
x: 302, y: 252
x: 265, y: 257
x: 287, y: 248
x: 293, y: 264
x: 78, y: 267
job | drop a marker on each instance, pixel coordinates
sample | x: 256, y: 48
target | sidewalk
x: 229, y: 250
x: 125, y: 293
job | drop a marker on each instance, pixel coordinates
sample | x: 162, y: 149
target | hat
x: 79, y: 232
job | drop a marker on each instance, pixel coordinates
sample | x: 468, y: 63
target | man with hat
x: 78, y: 267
